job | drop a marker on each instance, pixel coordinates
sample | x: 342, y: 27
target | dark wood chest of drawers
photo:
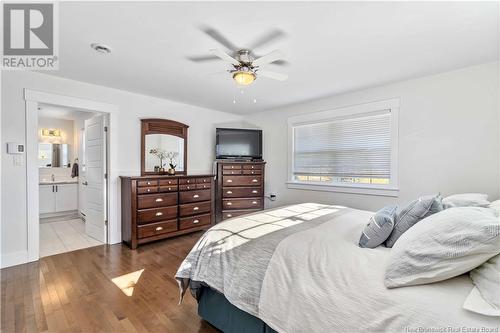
x: 157, y: 207
x: 240, y: 188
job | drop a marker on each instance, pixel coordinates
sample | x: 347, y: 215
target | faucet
x: 53, y: 178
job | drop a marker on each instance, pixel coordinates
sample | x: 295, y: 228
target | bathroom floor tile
x: 64, y: 236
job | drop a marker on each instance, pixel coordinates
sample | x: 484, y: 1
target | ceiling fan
x: 246, y: 65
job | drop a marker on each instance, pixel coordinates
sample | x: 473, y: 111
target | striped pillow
x: 379, y: 227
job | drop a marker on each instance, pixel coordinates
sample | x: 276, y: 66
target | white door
x: 47, y: 199
x: 66, y: 197
x: 94, y: 185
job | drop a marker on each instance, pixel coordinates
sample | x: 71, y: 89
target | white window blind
x: 354, y: 149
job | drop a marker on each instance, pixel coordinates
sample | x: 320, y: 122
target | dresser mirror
x: 163, y: 146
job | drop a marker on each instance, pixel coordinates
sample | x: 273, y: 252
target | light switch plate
x: 18, y: 160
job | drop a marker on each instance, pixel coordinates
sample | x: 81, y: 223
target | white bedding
x: 319, y: 280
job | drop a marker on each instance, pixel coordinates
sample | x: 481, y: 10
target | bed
x: 299, y: 269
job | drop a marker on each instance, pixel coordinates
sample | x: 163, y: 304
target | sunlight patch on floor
x: 127, y: 282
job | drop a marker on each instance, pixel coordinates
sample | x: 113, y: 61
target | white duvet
x: 319, y: 280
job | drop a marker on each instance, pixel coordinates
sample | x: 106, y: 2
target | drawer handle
x: 229, y: 192
x: 159, y: 228
x: 229, y: 180
x: 204, y: 180
x: 159, y: 214
x: 149, y: 190
x: 169, y: 188
x: 252, y: 172
x: 159, y: 200
x: 196, y: 208
x: 254, y: 202
x: 188, y: 181
x: 196, y: 196
x: 254, y: 180
x: 255, y: 191
x: 149, y: 183
x: 196, y: 221
x: 229, y: 203
x: 252, y: 166
x: 229, y: 215
x: 232, y: 167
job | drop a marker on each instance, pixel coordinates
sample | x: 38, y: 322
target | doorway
x: 53, y: 213
x: 72, y: 166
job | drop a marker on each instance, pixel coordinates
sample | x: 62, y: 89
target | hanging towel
x: 74, y: 170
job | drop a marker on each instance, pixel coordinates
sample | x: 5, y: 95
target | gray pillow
x: 444, y: 245
x: 379, y: 227
x: 486, y: 278
x: 411, y: 214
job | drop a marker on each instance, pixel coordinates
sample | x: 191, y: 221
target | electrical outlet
x: 272, y: 196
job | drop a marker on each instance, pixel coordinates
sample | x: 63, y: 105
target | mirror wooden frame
x: 162, y: 126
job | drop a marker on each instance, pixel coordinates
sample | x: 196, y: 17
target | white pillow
x: 466, y: 200
x: 495, y: 204
x: 444, y: 245
x: 476, y: 303
x: 485, y: 297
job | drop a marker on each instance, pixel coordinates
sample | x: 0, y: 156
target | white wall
x: 448, y: 137
x: 132, y: 107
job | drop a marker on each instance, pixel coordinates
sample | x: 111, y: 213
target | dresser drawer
x: 235, y: 213
x: 241, y: 192
x: 157, y: 228
x: 205, y: 180
x: 232, y: 172
x: 194, y: 208
x: 202, y: 186
x: 149, y: 189
x: 187, y: 187
x: 187, y: 181
x: 150, y: 182
x: 156, y: 214
x: 194, y: 196
x: 252, y: 172
x: 194, y: 221
x: 252, y: 166
x: 241, y: 203
x: 241, y: 180
x: 156, y: 200
x: 231, y: 166
x: 166, y: 182
x: 168, y: 188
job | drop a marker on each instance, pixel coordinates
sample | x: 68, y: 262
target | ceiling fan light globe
x: 244, y: 78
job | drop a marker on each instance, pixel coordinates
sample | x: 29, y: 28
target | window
x: 351, y: 148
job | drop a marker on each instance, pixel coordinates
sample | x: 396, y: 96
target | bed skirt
x: 216, y: 309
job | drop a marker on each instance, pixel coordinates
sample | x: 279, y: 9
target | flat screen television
x: 233, y: 143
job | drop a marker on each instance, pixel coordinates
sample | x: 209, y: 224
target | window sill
x: 386, y: 191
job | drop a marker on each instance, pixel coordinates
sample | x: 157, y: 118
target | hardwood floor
x: 75, y: 292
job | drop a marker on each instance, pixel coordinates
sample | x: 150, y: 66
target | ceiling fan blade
x: 203, y: 58
x: 219, y: 38
x: 224, y: 56
x: 274, y: 34
x: 272, y: 75
x: 268, y: 58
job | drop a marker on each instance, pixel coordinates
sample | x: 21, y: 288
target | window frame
x: 391, y: 189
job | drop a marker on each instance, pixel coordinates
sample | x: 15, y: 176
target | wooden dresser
x: 157, y: 207
x: 240, y: 188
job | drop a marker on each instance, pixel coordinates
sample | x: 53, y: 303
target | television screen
x: 238, y: 143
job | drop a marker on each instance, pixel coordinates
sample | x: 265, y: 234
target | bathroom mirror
x: 163, y: 142
x: 53, y: 155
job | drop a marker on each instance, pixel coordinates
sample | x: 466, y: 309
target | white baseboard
x: 13, y: 259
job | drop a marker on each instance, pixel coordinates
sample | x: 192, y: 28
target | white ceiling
x: 52, y: 111
x: 332, y: 47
